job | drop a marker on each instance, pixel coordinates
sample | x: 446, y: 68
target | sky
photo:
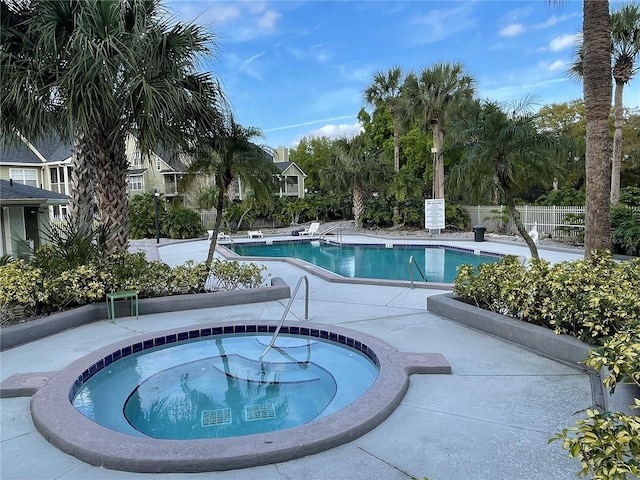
x: 298, y: 69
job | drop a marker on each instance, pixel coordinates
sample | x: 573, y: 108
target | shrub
x: 21, y: 286
x: 456, y: 217
x: 234, y: 275
x: 625, y: 230
x: 182, y: 222
x: 590, y: 299
x: 142, y: 216
x: 79, y: 286
x: 608, y: 443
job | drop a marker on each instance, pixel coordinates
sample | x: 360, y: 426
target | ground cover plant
x: 598, y: 301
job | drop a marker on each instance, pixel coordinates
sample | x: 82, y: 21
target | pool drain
x: 259, y: 412
x: 221, y: 416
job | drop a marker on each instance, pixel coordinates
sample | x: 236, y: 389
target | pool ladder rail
x: 286, y: 311
x: 412, y: 263
x: 338, y: 233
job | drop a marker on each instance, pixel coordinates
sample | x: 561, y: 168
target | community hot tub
x: 118, y: 406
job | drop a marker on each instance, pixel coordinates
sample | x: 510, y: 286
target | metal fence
x: 552, y: 221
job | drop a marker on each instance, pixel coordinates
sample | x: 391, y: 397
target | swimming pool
x: 221, y: 387
x: 63, y: 425
x: 438, y: 263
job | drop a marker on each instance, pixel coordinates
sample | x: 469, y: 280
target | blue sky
x: 299, y: 68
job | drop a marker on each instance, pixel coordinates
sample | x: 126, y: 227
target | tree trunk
x: 515, y: 215
x: 396, y: 162
x: 216, y: 229
x: 83, y: 176
x: 358, y: 206
x: 111, y: 193
x: 616, y: 162
x: 597, y: 97
x: 438, y: 163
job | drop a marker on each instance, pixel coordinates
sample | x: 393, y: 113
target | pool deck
x: 490, y: 419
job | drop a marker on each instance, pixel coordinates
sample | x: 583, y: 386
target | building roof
x: 51, y: 148
x: 14, y: 193
x: 283, y: 166
x: 20, y: 153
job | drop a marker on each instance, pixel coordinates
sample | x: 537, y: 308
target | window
x: 56, y: 175
x: 137, y: 158
x: 158, y: 164
x: 26, y: 177
x: 135, y: 183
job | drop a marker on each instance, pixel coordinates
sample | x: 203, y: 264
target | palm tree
x: 104, y: 70
x: 596, y: 38
x: 358, y: 168
x: 228, y: 155
x: 504, y: 151
x: 430, y: 100
x: 384, y: 92
x: 625, y: 44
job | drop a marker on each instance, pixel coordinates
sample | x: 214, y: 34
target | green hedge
x: 589, y: 299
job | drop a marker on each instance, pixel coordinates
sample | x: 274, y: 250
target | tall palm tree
x: 625, y: 45
x: 505, y: 152
x: 227, y: 155
x: 625, y: 48
x: 596, y: 37
x: 431, y: 99
x: 107, y: 69
x: 356, y: 167
x: 384, y: 92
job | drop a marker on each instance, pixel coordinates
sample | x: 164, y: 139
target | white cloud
x: 440, y: 24
x: 268, y: 20
x: 563, y: 42
x: 333, y: 131
x: 557, y: 65
x: 512, y: 30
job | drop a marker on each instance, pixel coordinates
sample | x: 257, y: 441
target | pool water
x: 439, y: 264
x: 217, y: 388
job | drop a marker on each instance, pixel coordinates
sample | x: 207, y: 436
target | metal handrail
x: 331, y: 229
x: 411, y: 263
x: 286, y: 311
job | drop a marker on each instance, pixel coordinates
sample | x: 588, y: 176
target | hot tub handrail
x: 286, y: 311
x: 411, y: 263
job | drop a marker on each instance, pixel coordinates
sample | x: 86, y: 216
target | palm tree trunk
x: 111, y: 194
x: 515, y: 215
x: 83, y: 175
x: 597, y: 97
x: 438, y: 164
x: 358, y: 206
x: 616, y: 161
x: 216, y: 229
x: 396, y: 162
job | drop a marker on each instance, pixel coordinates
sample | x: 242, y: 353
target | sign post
x: 434, y: 214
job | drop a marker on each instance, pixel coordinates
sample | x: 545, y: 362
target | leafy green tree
x: 311, y: 155
x: 95, y: 72
x: 227, y: 155
x: 357, y: 168
x: 505, y: 151
x: 430, y: 99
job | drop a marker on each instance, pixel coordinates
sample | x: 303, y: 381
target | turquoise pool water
x: 439, y: 264
x: 217, y: 388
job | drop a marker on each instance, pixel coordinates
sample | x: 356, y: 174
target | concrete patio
x: 490, y: 419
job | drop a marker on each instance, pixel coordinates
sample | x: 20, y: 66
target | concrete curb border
x: 22, y: 333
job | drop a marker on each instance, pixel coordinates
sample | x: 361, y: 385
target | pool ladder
x: 286, y: 311
x: 412, y: 262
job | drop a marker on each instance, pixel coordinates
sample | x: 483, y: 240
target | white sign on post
x: 434, y: 214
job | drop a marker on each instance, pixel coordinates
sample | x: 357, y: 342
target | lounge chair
x: 313, y: 230
x: 221, y: 235
x: 255, y: 234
